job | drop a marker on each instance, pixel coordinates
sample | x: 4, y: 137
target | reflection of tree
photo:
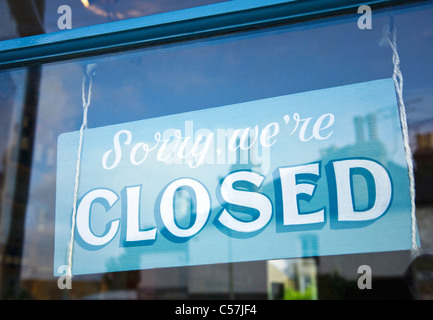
x: 115, y: 10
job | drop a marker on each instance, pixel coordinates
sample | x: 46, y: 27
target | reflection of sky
x: 226, y: 71
x: 221, y: 71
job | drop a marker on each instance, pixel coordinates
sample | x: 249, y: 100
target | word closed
x: 244, y: 200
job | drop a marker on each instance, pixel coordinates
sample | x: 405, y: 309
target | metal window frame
x: 214, y: 19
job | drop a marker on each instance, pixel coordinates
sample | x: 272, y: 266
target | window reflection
x: 37, y: 104
x: 30, y: 17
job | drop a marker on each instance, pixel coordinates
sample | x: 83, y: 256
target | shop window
x: 39, y: 101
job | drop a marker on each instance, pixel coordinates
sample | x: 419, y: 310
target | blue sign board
x: 307, y: 174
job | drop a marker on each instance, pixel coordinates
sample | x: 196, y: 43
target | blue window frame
x: 171, y: 26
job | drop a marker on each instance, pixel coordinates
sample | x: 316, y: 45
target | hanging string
x: 86, y: 87
x: 390, y: 38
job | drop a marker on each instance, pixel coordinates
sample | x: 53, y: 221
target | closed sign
x: 314, y: 173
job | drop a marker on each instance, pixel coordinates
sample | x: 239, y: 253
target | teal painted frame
x: 178, y: 25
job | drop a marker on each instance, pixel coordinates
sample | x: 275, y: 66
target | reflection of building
x: 366, y: 144
x: 339, y: 273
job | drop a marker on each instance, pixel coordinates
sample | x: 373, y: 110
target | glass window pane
x: 25, y: 18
